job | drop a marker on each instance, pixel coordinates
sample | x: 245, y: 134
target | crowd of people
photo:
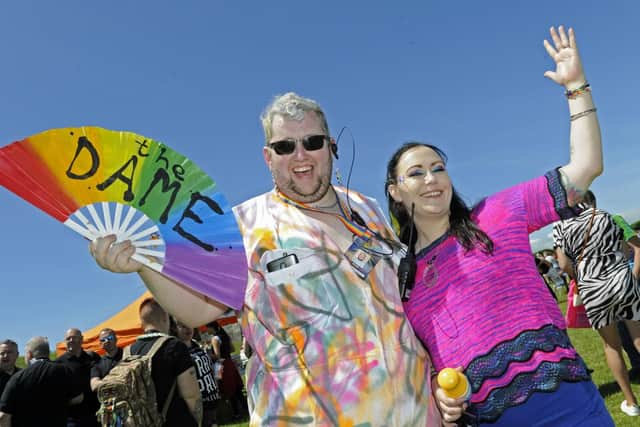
x: 549, y: 268
x: 350, y: 318
x: 191, y: 373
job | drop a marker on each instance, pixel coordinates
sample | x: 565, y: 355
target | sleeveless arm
x: 189, y: 307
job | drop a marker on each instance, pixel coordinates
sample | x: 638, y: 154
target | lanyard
x: 351, y: 225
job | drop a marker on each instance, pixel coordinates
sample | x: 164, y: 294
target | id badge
x: 362, y: 259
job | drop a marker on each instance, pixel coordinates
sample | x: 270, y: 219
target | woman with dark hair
x: 477, y: 301
x: 220, y: 341
x: 231, y: 385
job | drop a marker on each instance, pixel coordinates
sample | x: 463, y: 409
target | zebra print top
x: 605, y: 282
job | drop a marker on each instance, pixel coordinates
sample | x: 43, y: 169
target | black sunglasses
x: 288, y: 146
x: 108, y: 338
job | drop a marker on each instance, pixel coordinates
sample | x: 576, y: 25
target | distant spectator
x: 220, y: 341
x: 38, y: 395
x: 245, y: 352
x: 543, y: 269
x: 231, y: 385
x: 8, y: 357
x: 556, y: 276
x: 172, y: 369
x: 205, y: 372
x: 631, y: 253
x: 80, y: 362
x: 113, y: 354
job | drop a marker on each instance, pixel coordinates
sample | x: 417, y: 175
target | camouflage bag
x: 127, y: 393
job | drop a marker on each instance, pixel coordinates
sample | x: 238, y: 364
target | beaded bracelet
x: 582, y: 114
x: 573, y: 94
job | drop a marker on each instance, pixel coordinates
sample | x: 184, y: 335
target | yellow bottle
x: 455, y: 384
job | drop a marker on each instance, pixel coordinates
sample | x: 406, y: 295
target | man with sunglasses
x: 321, y: 309
x: 113, y: 355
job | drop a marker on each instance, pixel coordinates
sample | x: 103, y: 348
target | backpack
x: 127, y: 393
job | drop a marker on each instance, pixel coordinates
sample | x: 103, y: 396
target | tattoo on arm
x: 574, y: 194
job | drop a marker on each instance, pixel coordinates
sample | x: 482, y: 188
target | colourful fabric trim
x: 521, y: 349
x: 546, y: 378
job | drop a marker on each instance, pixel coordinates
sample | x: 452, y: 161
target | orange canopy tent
x: 126, y: 324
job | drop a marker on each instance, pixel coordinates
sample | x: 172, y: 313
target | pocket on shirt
x: 308, y: 291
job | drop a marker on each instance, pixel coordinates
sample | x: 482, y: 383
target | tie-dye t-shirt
x: 493, y: 314
x: 330, y: 348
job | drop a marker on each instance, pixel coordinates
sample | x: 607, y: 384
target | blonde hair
x: 291, y: 106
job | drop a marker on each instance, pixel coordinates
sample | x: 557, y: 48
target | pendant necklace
x: 430, y: 268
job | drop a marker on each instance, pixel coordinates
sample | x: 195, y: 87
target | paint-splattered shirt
x: 330, y: 347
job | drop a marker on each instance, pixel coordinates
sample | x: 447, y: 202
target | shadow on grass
x: 612, y: 387
x: 607, y: 389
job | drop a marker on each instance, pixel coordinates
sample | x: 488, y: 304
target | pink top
x: 493, y: 314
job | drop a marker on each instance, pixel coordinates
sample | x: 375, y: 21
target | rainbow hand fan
x: 99, y: 182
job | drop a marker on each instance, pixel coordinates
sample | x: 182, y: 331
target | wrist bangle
x: 573, y: 94
x: 582, y: 114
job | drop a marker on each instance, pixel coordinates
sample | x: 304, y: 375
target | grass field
x: 589, y: 345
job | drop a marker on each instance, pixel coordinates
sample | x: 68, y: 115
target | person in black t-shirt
x: 205, y: 372
x: 38, y: 395
x: 171, y: 364
x: 80, y: 362
x: 113, y: 355
x: 8, y: 357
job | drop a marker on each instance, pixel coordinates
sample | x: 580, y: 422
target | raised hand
x: 115, y: 257
x: 564, y: 52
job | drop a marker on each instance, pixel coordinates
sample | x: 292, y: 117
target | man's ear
x: 333, y: 147
x: 266, y: 153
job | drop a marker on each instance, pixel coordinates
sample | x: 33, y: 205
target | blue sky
x: 464, y: 75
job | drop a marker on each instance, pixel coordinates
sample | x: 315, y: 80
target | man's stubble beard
x: 318, y: 193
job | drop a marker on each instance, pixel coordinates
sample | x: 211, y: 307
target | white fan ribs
x: 135, y: 226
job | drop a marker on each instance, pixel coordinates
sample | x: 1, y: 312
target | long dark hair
x: 225, y: 339
x: 460, y: 224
